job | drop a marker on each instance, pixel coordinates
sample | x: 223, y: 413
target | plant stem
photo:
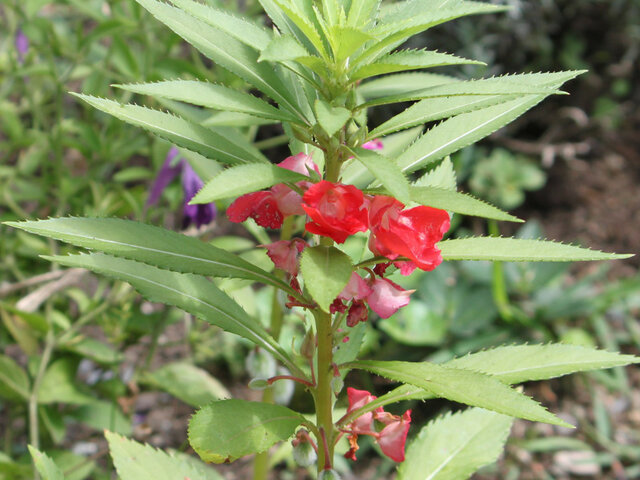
x: 498, y: 285
x: 324, y: 393
x: 34, y: 433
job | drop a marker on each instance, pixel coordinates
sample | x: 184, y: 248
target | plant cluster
x: 353, y: 207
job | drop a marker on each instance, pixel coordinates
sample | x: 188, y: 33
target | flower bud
x: 260, y: 364
x: 337, y: 384
x: 258, y: 384
x: 329, y: 475
x: 308, y: 346
x: 304, y: 454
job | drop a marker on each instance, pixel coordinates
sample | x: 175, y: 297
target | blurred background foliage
x: 81, y: 354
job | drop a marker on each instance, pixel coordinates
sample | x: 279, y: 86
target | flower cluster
x: 391, y: 438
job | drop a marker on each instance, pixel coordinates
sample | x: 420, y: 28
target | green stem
x: 34, y: 433
x: 498, y: 285
x: 324, y: 393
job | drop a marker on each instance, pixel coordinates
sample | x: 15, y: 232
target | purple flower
x: 201, y: 214
x: 22, y: 45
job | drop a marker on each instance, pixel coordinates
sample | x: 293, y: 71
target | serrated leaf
x: 282, y: 48
x: 149, y: 244
x: 521, y: 363
x: 224, y: 50
x: 519, y: 250
x: 412, y: 18
x: 453, y: 447
x: 47, y: 469
x: 304, y: 25
x: 227, y: 430
x: 362, y: 13
x: 443, y: 176
x: 210, y: 95
x: 432, y: 109
x: 187, y: 382
x: 400, y: 83
x: 135, y: 461
x: 241, y: 179
x: 14, y: 383
x: 192, y: 293
x: 348, y: 41
x: 459, y: 203
x: 506, y: 86
x: 330, y: 118
x: 462, y: 130
x: 326, y: 271
x: 463, y: 386
x: 179, y: 131
x: 386, y: 171
x: 239, y: 28
x: 409, y: 60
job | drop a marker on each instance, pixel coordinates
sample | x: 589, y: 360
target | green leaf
x: 103, y: 415
x: 348, y: 41
x: 192, y: 293
x: 506, y: 86
x: 462, y: 130
x: 179, y: 131
x: 224, y: 50
x: 282, y: 48
x: 239, y: 28
x: 386, y: 171
x: 93, y: 349
x: 303, y: 23
x: 362, y: 13
x: 47, y: 469
x: 236, y: 181
x: 409, y: 60
x: 519, y: 250
x: 412, y: 18
x: 187, y: 382
x: 59, y: 385
x: 210, y: 95
x: 149, y: 244
x: 326, y: 271
x: 331, y: 119
x: 463, y: 386
x: 14, y: 383
x: 134, y: 461
x: 522, y: 363
x: 453, y: 447
x: 443, y: 176
x: 226, y: 430
x: 401, y: 82
x: 459, y: 203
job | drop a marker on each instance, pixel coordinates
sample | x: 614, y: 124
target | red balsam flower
x: 336, y: 210
x: 391, y: 438
x: 411, y: 233
x: 269, y: 208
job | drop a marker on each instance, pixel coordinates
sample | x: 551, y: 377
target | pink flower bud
x: 387, y: 297
x: 285, y: 253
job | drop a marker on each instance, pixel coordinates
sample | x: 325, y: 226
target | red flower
x: 409, y: 233
x: 336, y: 210
x: 269, y: 208
x: 261, y: 206
x: 391, y: 438
x: 284, y: 254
